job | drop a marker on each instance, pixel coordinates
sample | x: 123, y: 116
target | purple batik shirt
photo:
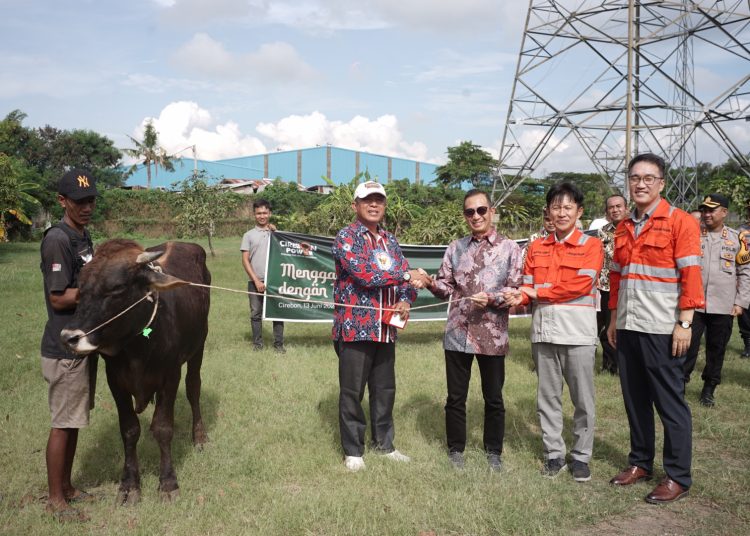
x: 491, y: 264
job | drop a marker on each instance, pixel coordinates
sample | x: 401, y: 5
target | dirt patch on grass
x: 690, y: 516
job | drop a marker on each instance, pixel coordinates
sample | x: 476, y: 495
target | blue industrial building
x: 303, y: 166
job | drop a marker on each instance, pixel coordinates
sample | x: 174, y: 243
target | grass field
x: 273, y: 465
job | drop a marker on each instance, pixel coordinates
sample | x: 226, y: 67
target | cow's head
x: 120, y: 274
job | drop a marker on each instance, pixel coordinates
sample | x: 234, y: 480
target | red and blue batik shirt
x: 369, y: 274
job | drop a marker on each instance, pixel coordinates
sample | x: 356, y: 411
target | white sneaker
x: 354, y: 463
x: 397, y: 456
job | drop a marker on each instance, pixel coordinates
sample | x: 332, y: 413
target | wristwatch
x: 407, y: 276
x: 684, y: 324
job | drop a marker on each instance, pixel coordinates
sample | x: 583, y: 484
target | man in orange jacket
x: 560, y: 275
x: 655, y: 286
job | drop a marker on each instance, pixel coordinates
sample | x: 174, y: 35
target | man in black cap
x: 66, y: 247
x: 743, y: 321
x: 726, y: 285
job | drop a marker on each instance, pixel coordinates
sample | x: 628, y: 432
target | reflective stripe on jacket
x: 565, y: 275
x: 657, y: 274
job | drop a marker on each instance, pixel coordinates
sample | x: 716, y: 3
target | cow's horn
x: 148, y: 256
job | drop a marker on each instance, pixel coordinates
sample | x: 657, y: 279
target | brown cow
x: 144, y: 366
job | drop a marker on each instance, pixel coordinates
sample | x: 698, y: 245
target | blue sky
x: 237, y: 77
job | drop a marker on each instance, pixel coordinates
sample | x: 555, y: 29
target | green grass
x: 273, y: 465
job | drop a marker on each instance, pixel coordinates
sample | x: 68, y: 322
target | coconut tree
x: 149, y: 153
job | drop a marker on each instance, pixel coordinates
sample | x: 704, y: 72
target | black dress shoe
x: 707, y: 396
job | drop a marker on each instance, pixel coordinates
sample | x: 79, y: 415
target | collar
x: 360, y: 228
x: 63, y: 222
x: 610, y: 227
x: 572, y: 238
x: 659, y: 209
x: 262, y: 229
x: 493, y: 237
x: 724, y: 231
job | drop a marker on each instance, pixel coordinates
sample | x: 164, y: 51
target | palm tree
x: 148, y: 152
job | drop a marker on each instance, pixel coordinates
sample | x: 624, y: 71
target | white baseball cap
x: 369, y: 188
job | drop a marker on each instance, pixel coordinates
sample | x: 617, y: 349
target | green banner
x: 300, y: 272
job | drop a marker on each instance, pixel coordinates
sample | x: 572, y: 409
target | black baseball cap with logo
x: 77, y: 184
x: 713, y: 201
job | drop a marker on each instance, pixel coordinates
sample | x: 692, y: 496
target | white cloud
x: 562, y: 153
x: 381, y: 135
x: 325, y: 15
x: 272, y: 62
x: 149, y: 83
x: 201, y: 11
x: 442, y: 16
x: 451, y: 65
x: 183, y: 124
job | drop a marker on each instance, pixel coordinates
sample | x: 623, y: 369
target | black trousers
x: 458, y: 375
x: 743, y: 321
x: 718, y: 330
x: 651, y: 377
x: 609, y: 354
x: 372, y: 364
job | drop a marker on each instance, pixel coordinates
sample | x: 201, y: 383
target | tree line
x: 33, y: 159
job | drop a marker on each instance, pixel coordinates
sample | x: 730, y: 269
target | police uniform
x: 743, y: 321
x: 726, y: 283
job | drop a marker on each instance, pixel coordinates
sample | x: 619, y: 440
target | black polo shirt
x: 61, y: 262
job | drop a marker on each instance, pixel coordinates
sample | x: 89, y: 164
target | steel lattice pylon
x: 618, y: 77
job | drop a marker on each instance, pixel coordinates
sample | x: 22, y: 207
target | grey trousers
x: 575, y: 364
x: 256, y: 316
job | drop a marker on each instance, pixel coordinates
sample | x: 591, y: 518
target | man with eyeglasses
x: 726, y: 286
x: 655, y: 287
x: 480, y: 267
x: 560, y: 274
x: 372, y: 277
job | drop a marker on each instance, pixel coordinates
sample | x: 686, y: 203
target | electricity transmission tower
x: 618, y: 78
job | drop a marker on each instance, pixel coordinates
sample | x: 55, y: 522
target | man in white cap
x: 373, y: 283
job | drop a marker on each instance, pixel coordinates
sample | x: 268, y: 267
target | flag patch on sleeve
x: 56, y: 267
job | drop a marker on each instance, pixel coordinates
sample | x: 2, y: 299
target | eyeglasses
x: 469, y: 212
x: 648, y: 180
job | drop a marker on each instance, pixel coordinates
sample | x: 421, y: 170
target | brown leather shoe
x: 631, y: 475
x: 666, y: 492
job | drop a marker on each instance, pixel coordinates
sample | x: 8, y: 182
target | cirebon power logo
x: 297, y: 249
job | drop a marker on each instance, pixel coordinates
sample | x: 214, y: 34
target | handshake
x: 514, y: 296
x: 420, y: 279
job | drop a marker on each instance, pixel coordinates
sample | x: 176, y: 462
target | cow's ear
x: 159, y: 281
